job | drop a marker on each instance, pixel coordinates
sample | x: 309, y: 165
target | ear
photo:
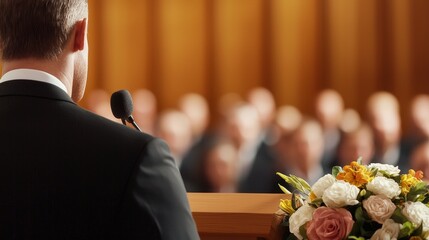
x: 80, y: 35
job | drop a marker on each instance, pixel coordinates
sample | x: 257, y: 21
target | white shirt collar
x: 34, y: 75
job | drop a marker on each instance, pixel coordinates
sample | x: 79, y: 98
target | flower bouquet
x: 358, y: 202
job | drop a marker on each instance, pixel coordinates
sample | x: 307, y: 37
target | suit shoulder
x: 98, y: 124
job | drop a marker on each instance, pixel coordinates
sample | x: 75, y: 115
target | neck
x: 57, y: 68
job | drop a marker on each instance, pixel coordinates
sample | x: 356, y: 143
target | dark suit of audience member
x: 192, y: 164
x: 66, y: 173
x: 261, y: 177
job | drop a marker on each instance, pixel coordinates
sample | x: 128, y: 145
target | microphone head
x: 121, y: 104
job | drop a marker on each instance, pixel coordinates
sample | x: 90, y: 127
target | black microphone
x: 121, y: 104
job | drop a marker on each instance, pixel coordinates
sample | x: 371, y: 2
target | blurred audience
x: 350, y: 121
x: 196, y: 108
x: 99, y: 103
x: 264, y: 103
x: 307, y: 151
x: 419, y: 115
x: 253, y: 139
x: 356, y: 143
x: 385, y: 121
x: 145, y: 110
x: 420, y: 159
x: 175, y: 128
x: 287, y: 120
x: 256, y: 162
x: 219, y: 167
x: 329, y: 111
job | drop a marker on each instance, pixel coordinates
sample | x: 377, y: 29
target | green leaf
x: 359, y: 160
x: 398, y: 217
x: 303, y: 231
x: 406, y: 230
x: 359, y: 215
x: 374, y: 171
x: 296, y: 182
x: 291, y: 237
x: 418, y: 231
x: 356, y: 238
x: 416, y: 191
x: 296, y: 198
x: 317, y: 202
x: 284, y: 189
x: 336, y: 170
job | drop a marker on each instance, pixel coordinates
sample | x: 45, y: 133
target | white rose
x: 299, y: 218
x: 389, y: 169
x: 389, y: 230
x: 379, y: 208
x: 322, y: 184
x: 384, y: 186
x: 417, y: 213
x: 340, y: 194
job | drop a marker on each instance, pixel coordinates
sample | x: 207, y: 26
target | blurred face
x: 356, y: 145
x: 221, y: 166
x: 383, y: 110
x: 308, y: 146
x: 196, y: 108
x: 420, y: 114
x: 263, y: 101
x: 145, y: 110
x: 176, y: 131
x: 244, y: 125
x: 386, y: 126
x: 329, y: 109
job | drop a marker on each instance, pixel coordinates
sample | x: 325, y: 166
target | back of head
x: 37, y: 28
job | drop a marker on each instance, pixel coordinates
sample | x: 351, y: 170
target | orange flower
x: 409, y: 180
x: 355, y: 174
x: 415, y: 238
x: 419, y: 175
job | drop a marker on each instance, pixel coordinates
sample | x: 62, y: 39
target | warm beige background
x: 293, y: 47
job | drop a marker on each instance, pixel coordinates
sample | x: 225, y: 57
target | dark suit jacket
x: 66, y: 173
x: 262, y: 176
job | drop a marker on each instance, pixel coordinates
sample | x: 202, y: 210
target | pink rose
x: 330, y: 224
x: 379, y: 207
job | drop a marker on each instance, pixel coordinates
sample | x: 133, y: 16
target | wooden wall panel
x: 237, y: 44
x: 310, y: 69
x: 420, y: 46
x: 181, y: 50
x: 343, y: 35
x: 123, y: 44
x: 401, y: 51
x: 368, y: 68
x: 287, y: 51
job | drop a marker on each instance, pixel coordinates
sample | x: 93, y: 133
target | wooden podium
x: 239, y: 216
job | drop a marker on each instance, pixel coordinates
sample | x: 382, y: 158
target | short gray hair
x: 37, y: 28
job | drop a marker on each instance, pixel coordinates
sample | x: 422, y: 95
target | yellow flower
x: 409, y: 180
x: 355, y: 174
x: 312, y: 197
x: 286, y: 206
